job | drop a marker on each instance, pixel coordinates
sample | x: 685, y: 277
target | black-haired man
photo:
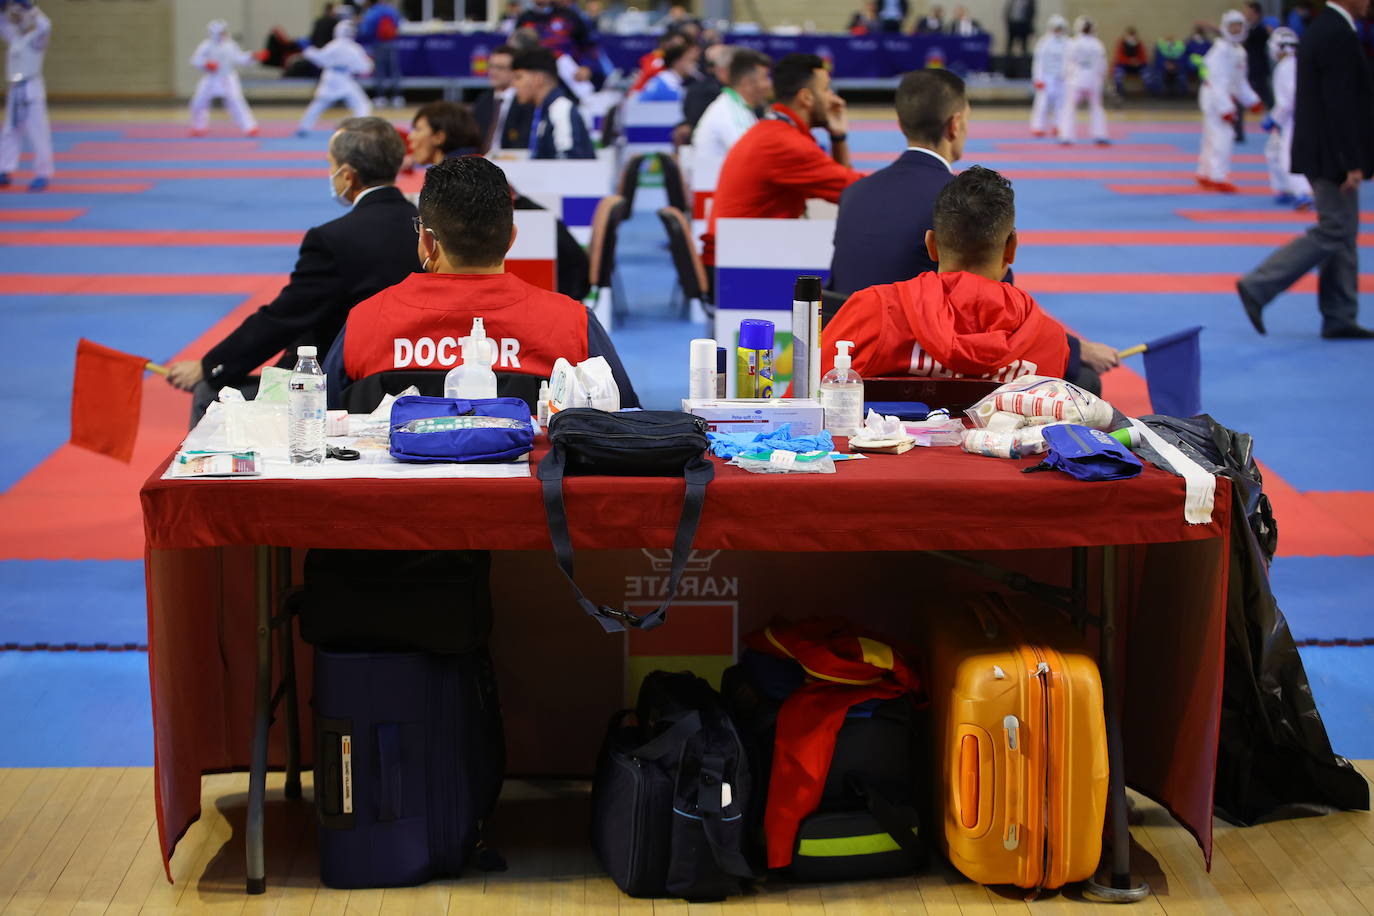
x: 504, y: 122
x: 777, y: 165
x: 340, y: 264
x: 466, y: 225
x: 557, y: 131
x: 881, y: 228
x: 962, y: 320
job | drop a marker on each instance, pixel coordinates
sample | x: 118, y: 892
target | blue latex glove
x: 1268, y: 125
x: 303, y: 43
x: 728, y: 445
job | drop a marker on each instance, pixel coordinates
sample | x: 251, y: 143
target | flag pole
x: 1132, y: 351
x: 154, y: 367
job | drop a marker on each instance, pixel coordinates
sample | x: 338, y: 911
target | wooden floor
x: 84, y: 841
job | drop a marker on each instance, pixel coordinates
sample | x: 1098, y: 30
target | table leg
x: 1119, y: 889
x: 262, y: 721
x: 286, y: 645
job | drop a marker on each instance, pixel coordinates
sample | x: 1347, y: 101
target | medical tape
x: 1200, y: 486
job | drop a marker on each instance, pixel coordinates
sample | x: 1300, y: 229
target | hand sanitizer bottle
x: 842, y: 394
x: 474, y: 378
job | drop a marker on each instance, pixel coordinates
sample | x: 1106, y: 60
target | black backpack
x: 868, y: 824
x: 670, y: 794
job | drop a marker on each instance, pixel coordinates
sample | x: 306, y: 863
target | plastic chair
x: 629, y: 180
x: 673, y: 183
x: 365, y: 394
x: 691, y: 273
x: 607, y: 305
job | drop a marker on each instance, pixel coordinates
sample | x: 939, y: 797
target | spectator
x: 323, y: 29
x: 734, y: 111
x: 1300, y: 16
x: 1196, y: 48
x: 466, y: 226
x: 1169, y: 74
x: 866, y: 21
x: 560, y: 30
x: 514, y: 10
x: 1131, y: 59
x: 558, y: 131
x: 891, y: 14
x: 881, y: 228
x: 704, y: 90
x: 340, y: 264
x: 650, y: 64
x: 377, y: 31
x: 1020, y: 17
x: 775, y: 167
x: 933, y: 23
x: 670, y: 83
x: 961, y: 318
x: 503, y: 122
x: 962, y: 25
x: 441, y: 130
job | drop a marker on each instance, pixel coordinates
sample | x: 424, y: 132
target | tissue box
x: 730, y: 415
x: 250, y: 425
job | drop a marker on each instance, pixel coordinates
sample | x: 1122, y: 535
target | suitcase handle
x: 1015, y: 757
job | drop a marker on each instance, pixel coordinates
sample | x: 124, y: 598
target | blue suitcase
x: 409, y: 761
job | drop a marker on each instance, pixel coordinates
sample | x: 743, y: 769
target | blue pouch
x: 488, y: 429
x: 1088, y: 454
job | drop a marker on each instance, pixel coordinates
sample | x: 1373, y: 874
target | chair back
x: 629, y: 180
x: 364, y: 395
x: 610, y: 213
x: 691, y: 273
x: 673, y: 183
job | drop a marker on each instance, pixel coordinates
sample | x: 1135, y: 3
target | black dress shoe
x: 1253, y: 309
x: 1350, y: 332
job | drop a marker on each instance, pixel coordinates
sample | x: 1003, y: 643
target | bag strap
x: 696, y: 475
x: 710, y: 782
x: 891, y: 820
x: 683, y: 728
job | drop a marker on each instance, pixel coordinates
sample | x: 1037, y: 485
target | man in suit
x: 892, y: 13
x: 341, y: 263
x: 881, y: 228
x: 1333, y: 145
x: 503, y: 121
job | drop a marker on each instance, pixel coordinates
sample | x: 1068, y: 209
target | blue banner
x: 850, y: 56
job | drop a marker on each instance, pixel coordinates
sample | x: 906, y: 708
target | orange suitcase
x: 1019, y: 744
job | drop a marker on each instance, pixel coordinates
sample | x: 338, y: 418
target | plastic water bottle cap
x: 306, y: 351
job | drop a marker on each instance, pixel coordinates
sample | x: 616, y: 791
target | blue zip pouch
x: 1088, y: 454
x: 450, y: 429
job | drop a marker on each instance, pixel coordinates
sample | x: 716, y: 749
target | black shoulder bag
x: 645, y: 443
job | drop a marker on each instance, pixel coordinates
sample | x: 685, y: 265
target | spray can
x: 701, y: 377
x: 806, y: 337
x: 754, y: 359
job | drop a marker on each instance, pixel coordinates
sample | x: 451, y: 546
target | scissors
x: 342, y: 454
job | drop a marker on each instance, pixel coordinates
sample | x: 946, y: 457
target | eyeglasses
x: 415, y: 221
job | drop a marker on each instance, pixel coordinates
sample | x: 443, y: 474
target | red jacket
x: 952, y: 325
x: 770, y: 173
x: 417, y: 323
x: 844, y: 667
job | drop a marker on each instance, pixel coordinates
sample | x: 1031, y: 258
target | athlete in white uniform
x: 1291, y: 190
x: 1225, y: 84
x: 1085, y: 72
x: 339, y: 61
x: 26, y: 30
x: 1047, y: 73
x: 219, y: 56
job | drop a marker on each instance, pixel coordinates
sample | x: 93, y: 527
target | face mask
x: 338, y: 198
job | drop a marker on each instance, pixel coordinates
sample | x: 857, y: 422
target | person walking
x: 1333, y: 145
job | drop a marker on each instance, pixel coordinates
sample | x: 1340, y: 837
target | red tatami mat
x: 40, y: 216
x: 153, y: 238
x: 1037, y: 283
x: 133, y: 284
x: 1189, y: 237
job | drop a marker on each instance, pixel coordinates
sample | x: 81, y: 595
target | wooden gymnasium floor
x: 84, y: 841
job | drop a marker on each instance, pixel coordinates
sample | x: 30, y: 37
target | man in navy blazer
x: 881, y: 229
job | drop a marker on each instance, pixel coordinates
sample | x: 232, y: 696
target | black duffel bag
x: 396, y: 600
x: 643, y: 443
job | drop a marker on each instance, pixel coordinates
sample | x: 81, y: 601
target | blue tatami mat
x: 73, y: 601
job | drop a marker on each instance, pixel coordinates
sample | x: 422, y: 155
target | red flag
x: 106, y: 396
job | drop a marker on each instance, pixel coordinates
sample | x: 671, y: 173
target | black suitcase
x: 409, y: 761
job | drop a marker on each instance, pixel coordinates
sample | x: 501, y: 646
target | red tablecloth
x: 200, y: 600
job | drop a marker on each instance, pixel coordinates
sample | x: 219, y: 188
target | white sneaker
x: 379, y: 102
x: 398, y: 101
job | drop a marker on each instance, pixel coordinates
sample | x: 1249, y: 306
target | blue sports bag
x: 449, y: 429
x: 1088, y: 454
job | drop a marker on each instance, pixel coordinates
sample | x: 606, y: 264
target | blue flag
x: 1173, y: 372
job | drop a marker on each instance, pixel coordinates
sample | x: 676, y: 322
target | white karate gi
x: 1279, y: 148
x: 1085, y: 72
x: 340, y: 61
x: 26, y: 106
x: 1227, y: 83
x: 1047, y: 71
x: 220, y: 57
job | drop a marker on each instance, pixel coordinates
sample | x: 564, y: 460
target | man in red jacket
x: 961, y: 320
x: 777, y: 164
x: 466, y: 226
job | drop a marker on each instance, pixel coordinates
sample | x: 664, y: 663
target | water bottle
x: 305, y: 406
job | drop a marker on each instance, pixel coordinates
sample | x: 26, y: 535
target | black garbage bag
x: 1275, y: 759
